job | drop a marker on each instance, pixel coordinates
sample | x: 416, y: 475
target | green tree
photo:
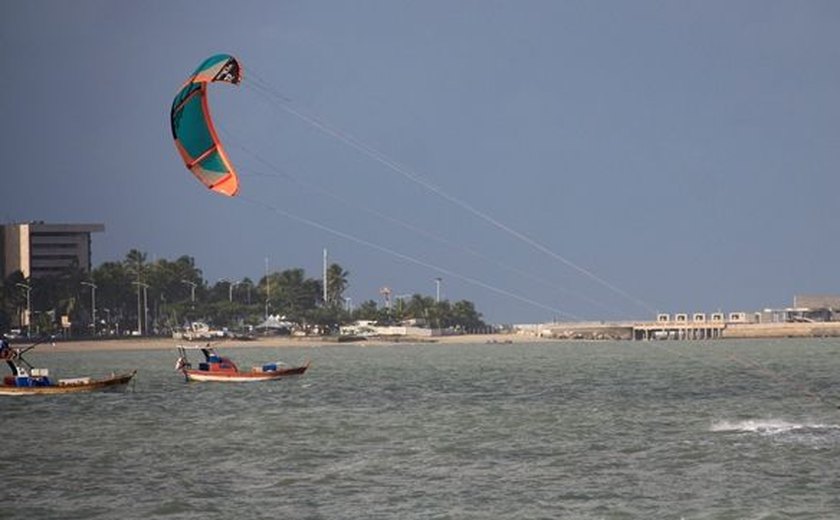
x: 290, y: 293
x: 421, y: 308
x: 336, y: 285
x: 115, y: 296
x: 169, y: 286
x: 368, y: 310
x: 465, y: 317
x: 135, y: 263
x: 298, y: 293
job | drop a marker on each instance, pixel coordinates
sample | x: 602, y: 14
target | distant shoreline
x: 103, y: 345
x: 740, y: 331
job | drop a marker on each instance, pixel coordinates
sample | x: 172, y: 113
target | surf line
x: 263, y: 88
x: 397, y: 254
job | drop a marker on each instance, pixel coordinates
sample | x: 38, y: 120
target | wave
x: 770, y: 426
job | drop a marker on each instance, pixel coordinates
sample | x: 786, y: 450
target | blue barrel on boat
x: 214, y: 359
x: 23, y: 381
x: 270, y: 367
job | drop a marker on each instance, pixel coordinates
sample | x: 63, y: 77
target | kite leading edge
x: 192, y: 127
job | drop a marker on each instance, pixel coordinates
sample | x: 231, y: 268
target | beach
x: 126, y: 344
x: 586, y: 332
x: 739, y: 331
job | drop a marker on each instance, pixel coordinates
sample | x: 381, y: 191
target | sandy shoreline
x: 277, y: 341
x: 741, y: 331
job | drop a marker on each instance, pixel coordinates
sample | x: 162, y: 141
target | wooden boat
x: 222, y: 369
x: 65, y: 386
x: 28, y: 380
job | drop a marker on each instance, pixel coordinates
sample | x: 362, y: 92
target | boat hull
x: 96, y: 385
x: 242, y: 377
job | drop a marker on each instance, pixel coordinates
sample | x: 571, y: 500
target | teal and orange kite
x: 192, y: 128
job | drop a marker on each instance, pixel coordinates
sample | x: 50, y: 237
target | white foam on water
x: 769, y: 426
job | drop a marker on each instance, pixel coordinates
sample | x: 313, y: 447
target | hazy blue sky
x: 604, y: 159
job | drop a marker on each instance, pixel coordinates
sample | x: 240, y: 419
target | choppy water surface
x: 553, y: 430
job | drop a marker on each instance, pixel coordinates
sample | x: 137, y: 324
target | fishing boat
x: 222, y: 369
x: 28, y: 380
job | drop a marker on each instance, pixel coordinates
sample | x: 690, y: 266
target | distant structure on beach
x: 810, y: 316
x: 38, y: 249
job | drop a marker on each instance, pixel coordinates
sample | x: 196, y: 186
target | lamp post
x: 107, y: 320
x: 267, y: 288
x: 230, y: 287
x: 92, y: 304
x: 28, y: 289
x: 437, y: 289
x: 144, y: 318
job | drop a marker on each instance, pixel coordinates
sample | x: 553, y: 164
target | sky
x: 546, y: 160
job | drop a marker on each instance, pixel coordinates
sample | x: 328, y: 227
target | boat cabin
x: 23, y: 374
x: 216, y: 363
x: 21, y: 377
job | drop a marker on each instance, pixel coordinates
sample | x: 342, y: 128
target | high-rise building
x: 38, y: 249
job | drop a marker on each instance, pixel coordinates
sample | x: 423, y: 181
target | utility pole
x: 141, y: 318
x: 92, y: 305
x: 145, y: 307
x: 28, y: 289
x: 231, y: 285
x: 267, y: 288
x: 437, y: 289
x: 325, y: 276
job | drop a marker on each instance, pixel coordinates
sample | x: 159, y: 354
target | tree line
x: 136, y: 296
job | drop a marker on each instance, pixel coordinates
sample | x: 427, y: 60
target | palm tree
x: 336, y: 285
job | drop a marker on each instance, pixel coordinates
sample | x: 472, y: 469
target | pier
x: 678, y: 330
x: 685, y: 330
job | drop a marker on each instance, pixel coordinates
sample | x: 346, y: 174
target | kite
x: 192, y: 127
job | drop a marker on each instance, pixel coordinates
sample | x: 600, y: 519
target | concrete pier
x: 678, y: 331
x: 682, y: 330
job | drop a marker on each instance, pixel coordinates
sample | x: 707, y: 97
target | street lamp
x: 144, y: 317
x: 92, y: 304
x: 230, y: 287
x: 28, y: 289
x: 107, y: 320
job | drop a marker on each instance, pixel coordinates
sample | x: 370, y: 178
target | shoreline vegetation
x: 741, y: 331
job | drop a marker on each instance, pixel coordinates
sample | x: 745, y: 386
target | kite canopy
x: 192, y: 127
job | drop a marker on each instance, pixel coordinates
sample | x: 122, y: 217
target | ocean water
x: 614, y: 430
